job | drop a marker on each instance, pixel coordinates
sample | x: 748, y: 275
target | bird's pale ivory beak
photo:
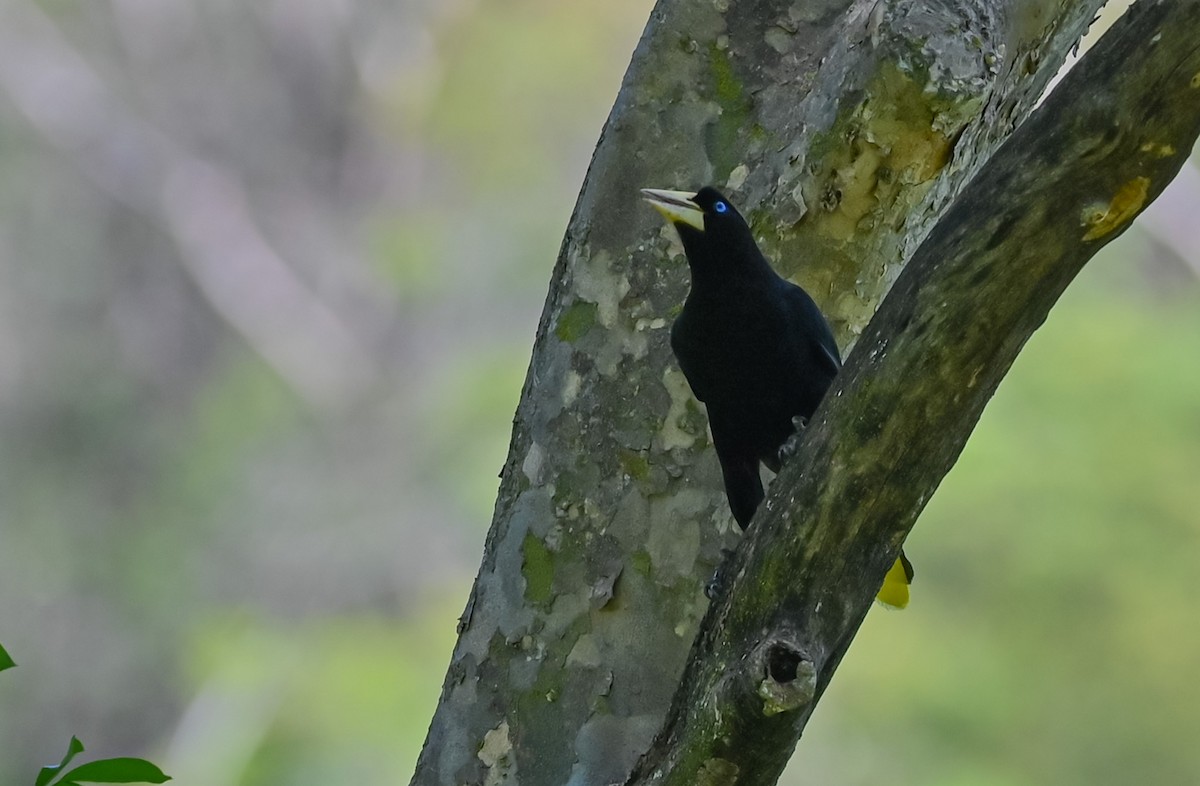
x: 676, y: 206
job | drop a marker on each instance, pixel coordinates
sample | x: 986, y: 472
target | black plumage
x: 754, y: 347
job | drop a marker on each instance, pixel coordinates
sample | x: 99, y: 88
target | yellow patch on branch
x: 1160, y: 149
x: 888, y: 140
x: 1103, y: 220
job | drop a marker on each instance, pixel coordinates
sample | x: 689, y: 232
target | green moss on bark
x: 538, y: 567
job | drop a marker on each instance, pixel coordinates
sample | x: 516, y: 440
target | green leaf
x: 120, y: 770
x: 6, y: 661
x: 47, y: 774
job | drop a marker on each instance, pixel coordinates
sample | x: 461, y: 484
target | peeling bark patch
x: 496, y: 755
x: 571, y: 388
x: 673, y: 547
x: 1103, y: 220
x: 586, y: 652
x: 675, y: 433
x: 737, y: 178
x: 464, y: 621
x: 532, y: 465
x: 597, y: 281
x: 778, y: 39
x: 605, y: 589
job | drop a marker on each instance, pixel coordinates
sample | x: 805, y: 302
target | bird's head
x: 709, y: 225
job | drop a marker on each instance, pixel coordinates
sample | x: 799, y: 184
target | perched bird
x: 755, y: 349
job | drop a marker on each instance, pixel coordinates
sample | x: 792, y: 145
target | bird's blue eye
x: 720, y: 207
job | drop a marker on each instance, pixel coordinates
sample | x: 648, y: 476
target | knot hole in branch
x: 789, y: 679
x: 782, y: 663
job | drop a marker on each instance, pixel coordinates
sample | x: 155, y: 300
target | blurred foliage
x: 246, y: 464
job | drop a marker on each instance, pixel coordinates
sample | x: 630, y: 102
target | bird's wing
x: 815, y: 329
x: 826, y: 351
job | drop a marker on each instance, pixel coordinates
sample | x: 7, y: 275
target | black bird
x: 754, y: 347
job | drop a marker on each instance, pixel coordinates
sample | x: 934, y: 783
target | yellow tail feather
x: 894, y: 592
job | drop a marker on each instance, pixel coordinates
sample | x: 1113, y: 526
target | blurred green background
x: 269, y: 277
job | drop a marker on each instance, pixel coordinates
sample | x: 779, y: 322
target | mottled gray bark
x: 842, y: 129
x: 1101, y: 148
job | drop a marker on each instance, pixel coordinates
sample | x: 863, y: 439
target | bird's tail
x: 894, y: 592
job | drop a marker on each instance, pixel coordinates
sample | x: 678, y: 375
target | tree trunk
x: 1071, y: 179
x: 843, y: 130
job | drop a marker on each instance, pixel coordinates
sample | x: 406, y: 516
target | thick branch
x: 1072, y: 178
x: 843, y: 128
